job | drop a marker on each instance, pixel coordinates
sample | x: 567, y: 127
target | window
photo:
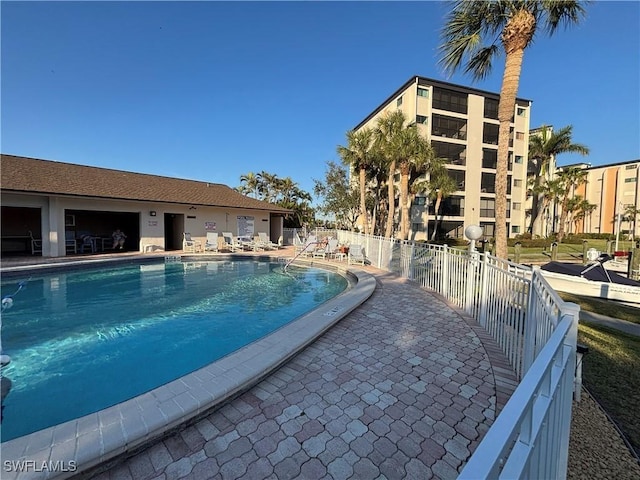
x: 489, y: 158
x: 487, y: 207
x: 515, y: 229
x: 417, y: 227
x: 488, y: 183
x: 519, y: 136
x: 630, y: 180
x: 452, y: 152
x: 451, y: 206
x: 517, y: 206
x: 458, y: 176
x: 521, y: 112
x: 421, y: 119
x: 518, y: 158
x: 491, y: 108
x: 423, y: 92
x: 449, y: 127
x: 517, y: 182
x: 399, y: 102
x: 488, y: 229
x: 420, y: 201
x: 631, y: 167
x: 449, y: 100
x: 490, y: 133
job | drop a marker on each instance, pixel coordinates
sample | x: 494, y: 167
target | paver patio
x: 404, y: 387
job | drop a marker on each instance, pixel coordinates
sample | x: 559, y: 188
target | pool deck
x: 404, y: 386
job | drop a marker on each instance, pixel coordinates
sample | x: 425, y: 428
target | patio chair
x: 190, y: 245
x: 356, y: 255
x: 310, y: 245
x: 230, y: 243
x: 211, y: 244
x: 36, y: 244
x: 264, y: 242
x: 70, y: 243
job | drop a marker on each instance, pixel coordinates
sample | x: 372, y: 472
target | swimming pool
x: 84, y: 340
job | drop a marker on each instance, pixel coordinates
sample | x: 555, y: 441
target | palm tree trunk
x: 404, y: 202
x: 392, y: 200
x: 363, y: 200
x: 437, y: 209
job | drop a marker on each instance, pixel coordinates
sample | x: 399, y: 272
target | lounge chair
x: 211, y: 245
x: 190, y: 245
x: 265, y: 243
x: 356, y: 255
x: 231, y: 243
x: 310, y: 245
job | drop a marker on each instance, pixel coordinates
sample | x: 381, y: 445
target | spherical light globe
x: 473, y: 232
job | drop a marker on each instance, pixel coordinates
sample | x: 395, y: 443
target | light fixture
x: 473, y: 233
x: 152, y: 213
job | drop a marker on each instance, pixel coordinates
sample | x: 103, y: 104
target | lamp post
x: 473, y: 233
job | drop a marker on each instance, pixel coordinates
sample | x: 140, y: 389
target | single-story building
x: 60, y: 203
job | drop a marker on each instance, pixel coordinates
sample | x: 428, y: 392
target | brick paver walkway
x: 402, y: 388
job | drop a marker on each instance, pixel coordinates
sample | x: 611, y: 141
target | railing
x: 536, y: 330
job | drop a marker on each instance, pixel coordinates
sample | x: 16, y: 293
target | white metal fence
x: 536, y: 330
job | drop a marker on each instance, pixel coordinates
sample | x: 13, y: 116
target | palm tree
x: 357, y: 154
x: 387, y: 129
x: 441, y: 185
x: 251, y: 184
x: 513, y: 24
x: 569, y: 179
x: 631, y: 213
x: 543, y: 147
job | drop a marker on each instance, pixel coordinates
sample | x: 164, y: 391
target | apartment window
x: 449, y: 100
x: 399, y: 102
x: 420, y: 201
x: 630, y: 180
x: 417, y: 227
x: 519, y: 136
x: 631, y: 167
x: 396, y: 177
x: 490, y: 133
x: 458, y: 176
x: 488, y: 183
x: 449, y: 127
x: 515, y: 228
x: 521, y: 112
x: 488, y: 229
x: 489, y: 158
x: 517, y: 206
x: 423, y: 92
x: 421, y: 119
x: 491, y: 108
x: 452, y: 152
x: 518, y: 158
x: 451, y: 206
x: 487, y: 207
x: 517, y: 183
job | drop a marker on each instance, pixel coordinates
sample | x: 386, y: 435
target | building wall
x: 151, y: 228
x: 417, y: 107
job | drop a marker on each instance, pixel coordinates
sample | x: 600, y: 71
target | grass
x: 611, y: 373
x: 609, y: 308
x: 567, y: 252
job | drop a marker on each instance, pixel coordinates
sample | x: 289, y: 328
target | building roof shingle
x: 30, y: 175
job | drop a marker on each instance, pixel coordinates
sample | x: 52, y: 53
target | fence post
x: 472, y: 272
x: 484, y: 272
x: 518, y: 250
x: 585, y: 260
x: 531, y: 324
x: 445, y: 272
x: 554, y: 251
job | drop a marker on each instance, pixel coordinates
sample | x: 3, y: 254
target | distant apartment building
x: 462, y: 125
x: 613, y: 189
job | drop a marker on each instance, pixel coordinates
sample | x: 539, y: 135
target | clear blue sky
x: 213, y: 90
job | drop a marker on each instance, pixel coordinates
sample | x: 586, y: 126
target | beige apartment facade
x: 462, y: 126
x: 613, y: 189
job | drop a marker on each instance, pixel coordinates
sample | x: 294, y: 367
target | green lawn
x: 566, y: 252
x: 611, y: 373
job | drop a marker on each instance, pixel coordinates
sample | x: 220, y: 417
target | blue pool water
x: 84, y: 340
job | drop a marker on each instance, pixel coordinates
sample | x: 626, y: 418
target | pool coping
x: 82, y: 444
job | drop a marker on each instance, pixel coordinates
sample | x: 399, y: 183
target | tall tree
x: 569, y: 179
x: 358, y: 155
x: 250, y: 184
x: 338, y: 197
x: 441, y: 185
x: 543, y: 147
x: 513, y: 24
x: 387, y: 130
x: 631, y: 213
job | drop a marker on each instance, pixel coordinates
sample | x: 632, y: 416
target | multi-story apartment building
x: 462, y: 125
x: 613, y: 189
